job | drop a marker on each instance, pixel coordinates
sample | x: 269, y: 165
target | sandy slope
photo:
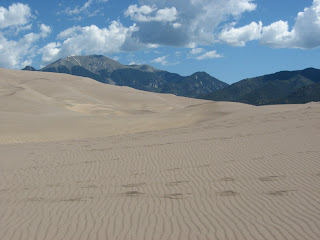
x: 83, y: 160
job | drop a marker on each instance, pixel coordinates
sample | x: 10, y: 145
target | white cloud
x: 116, y: 58
x: 176, y: 25
x: 45, y: 30
x: 188, y: 23
x: 277, y: 35
x: 239, y: 36
x: 183, y: 23
x: 17, y: 14
x: 304, y: 34
x: 23, y: 28
x: 82, y: 9
x: 139, y: 14
x: 77, y: 9
x: 143, y: 13
x: 16, y: 49
x: 88, y: 40
x: 162, y: 60
x: 307, y: 27
x: 196, y: 51
x: 166, y: 15
x: 17, y: 54
x: 16, y: 30
x: 50, y: 52
x: 207, y: 55
x: 69, y: 33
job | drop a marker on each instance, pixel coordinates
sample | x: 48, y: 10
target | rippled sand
x: 84, y: 160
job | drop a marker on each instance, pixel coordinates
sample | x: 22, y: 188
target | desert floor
x: 84, y: 160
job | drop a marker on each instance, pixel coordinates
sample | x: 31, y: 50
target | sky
x: 229, y: 39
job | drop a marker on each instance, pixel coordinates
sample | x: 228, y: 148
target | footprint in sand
x: 229, y: 193
x: 271, y: 178
x: 133, y: 193
x: 175, y: 183
x: 175, y: 196
x: 133, y: 185
x: 279, y: 193
x: 227, y: 179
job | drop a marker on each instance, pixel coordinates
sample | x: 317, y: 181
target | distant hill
x: 310, y: 93
x: 143, y: 77
x: 281, y: 87
x: 29, y: 68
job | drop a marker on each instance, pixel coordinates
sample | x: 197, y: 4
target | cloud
x: 77, y: 9
x: 304, y: 34
x: 22, y: 28
x: 139, y: 14
x: 196, y: 51
x: 143, y: 14
x: 197, y: 22
x: 181, y: 22
x: 116, y: 58
x: 88, y: 40
x: 161, y: 60
x: 17, y: 54
x: 277, y: 35
x: 166, y: 15
x: 16, y: 15
x: 45, y: 30
x: 69, y: 33
x: 50, y: 52
x: 16, y: 49
x: 176, y: 25
x: 239, y: 36
x: 207, y: 55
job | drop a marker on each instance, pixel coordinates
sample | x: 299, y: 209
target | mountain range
x: 278, y: 88
x: 142, y: 77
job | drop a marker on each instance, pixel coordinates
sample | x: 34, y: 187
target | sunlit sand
x: 84, y: 160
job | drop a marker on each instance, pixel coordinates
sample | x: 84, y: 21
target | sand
x: 84, y: 160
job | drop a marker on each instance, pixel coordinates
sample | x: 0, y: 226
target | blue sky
x: 229, y: 39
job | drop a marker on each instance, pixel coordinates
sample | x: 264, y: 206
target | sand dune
x: 84, y: 160
x: 38, y: 106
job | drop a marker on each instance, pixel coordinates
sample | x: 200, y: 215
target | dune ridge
x: 117, y: 163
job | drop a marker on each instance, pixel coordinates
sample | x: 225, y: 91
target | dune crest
x: 37, y: 106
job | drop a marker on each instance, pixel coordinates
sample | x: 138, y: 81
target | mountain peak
x: 279, y: 87
x: 200, y: 74
x: 93, y: 63
x: 143, y: 77
x: 29, y: 68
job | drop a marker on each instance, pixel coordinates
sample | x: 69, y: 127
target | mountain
x: 29, y: 68
x: 310, y: 93
x: 142, y: 77
x: 280, y: 87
